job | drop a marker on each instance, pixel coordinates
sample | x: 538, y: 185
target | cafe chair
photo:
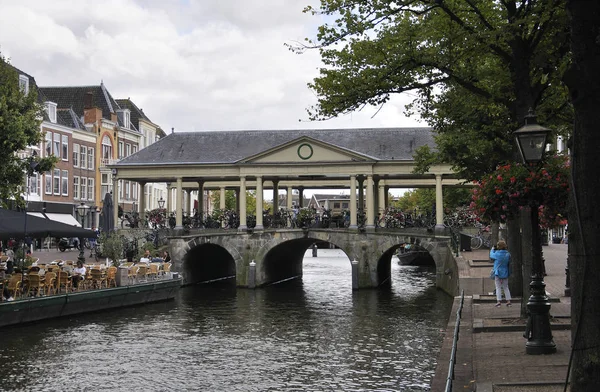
x: 14, y: 285
x: 34, y: 285
x: 50, y: 283
x: 132, y: 273
x: 152, y: 271
x: 166, y: 271
x: 63, y: 281
x: 111, y: 275
x: 141, y: 274
x: 97, y: 279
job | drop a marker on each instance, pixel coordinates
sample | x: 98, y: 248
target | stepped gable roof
x: 74, y: 97
x: 232, y: 146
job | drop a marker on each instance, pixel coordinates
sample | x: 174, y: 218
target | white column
x: 188, y: 201
x: 169, y: 199
x: 222, y: 202
x: 259, y: 203
x: 382, y: 196
x: 243, y: 224
x: 179, y: 204
x: 289, y: 197
x: 439, y: 202
x: 370, y: 224
x: 353, y: 202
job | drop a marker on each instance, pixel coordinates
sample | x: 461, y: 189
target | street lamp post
x: 81, y: 210
x: 161, y: 203
x: 531, y: 141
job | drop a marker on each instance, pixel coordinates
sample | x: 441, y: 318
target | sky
x: 191, y: 65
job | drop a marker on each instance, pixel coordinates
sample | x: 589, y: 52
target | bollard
x: 314, y: 250
x: 354, y: 274
x: 252, y: 275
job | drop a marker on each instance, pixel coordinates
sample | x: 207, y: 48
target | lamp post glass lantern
x: 161, y: 203
x: 81, y: 211
x: 531, y: 141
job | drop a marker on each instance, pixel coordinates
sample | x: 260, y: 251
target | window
x: 134, y: 149
x: 127, y: 119
x: 56, y: 181
x: 34, y: 184
x: 65, y: 147
x: 345, y: 205
x: 127, y: 149
x: 48, y: 144
x: 24, y: 84
x: 90, y: 159
x: 56, y: 147
x: 336, y: 205
x: 107, y: 152
x: 83, y: 186
x: 65, y: 182
x: 121, y: 189
x: 75, y: 187
x: 82, y: 156
x: 90, y: 189
x: 48, y: 177
x: 127, y: 189
x: 134, y: 190
x: 51, y: 110
x: 75, y: 155
x: 121, y: 150
x: 106, y: 185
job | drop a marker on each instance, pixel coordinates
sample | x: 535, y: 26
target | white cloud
x: 190, y: 64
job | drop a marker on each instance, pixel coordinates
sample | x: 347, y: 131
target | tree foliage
x: 20, y: 118
x: 423, y: 199
x: 476, y: 68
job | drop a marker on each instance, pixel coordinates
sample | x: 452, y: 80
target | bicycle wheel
x: 476, y: 242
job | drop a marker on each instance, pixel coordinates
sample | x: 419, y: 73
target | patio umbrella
x: 107, y: 221
x: 12, y: 224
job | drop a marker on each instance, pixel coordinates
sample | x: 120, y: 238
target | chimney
x: 88, y: 101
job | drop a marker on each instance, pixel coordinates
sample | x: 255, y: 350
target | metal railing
x: 452, y: 360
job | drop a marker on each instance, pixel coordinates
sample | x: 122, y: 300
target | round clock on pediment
x: 305, y: 151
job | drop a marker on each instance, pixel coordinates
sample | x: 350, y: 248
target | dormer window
x: 24, y: 84
x: 51, y: 109
x: 124, y: 116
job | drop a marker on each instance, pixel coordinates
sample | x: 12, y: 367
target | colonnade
x: 374, y: 200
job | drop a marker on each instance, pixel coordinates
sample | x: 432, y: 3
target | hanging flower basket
x: 502, y: 194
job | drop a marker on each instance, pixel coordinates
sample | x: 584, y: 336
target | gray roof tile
x: 232, y: 146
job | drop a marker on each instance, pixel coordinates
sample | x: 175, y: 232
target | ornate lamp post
x: 81, y: 211
x: 161, y: 203
x: 531, y: 141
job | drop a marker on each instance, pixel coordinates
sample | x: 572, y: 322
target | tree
x: 20, y: 119
x: 584, y: 88
x: 424, y: 199
x: 230, y: 202
x: 477, y: 67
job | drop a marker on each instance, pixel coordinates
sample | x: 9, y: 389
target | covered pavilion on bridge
x: 375, y: 159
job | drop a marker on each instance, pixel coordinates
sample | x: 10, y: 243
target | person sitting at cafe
x: 146, y: 257
x: 157, y: 258
x: 5, y: 293
x: 78, y: 274
x: 166, y: 257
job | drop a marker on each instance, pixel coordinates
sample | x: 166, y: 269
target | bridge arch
x: 278, y: 255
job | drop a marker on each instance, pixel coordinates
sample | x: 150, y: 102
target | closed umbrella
x: 107, y: 222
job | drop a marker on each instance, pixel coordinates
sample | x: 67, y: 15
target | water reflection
x: 314, y: 334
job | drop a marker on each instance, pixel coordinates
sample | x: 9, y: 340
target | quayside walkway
x: 491, y: 348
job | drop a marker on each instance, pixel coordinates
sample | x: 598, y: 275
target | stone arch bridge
x: 264, y: 257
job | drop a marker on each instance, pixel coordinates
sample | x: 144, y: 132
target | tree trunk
x: 583, y: 80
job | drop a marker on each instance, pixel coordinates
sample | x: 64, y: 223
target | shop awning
x: 38, y: 214
x: 63, y: 218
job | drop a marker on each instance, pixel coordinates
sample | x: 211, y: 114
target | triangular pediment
x: 307, y: 150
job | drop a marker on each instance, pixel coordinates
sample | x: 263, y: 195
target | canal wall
x: 53, y: 306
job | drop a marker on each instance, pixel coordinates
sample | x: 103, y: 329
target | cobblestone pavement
x: 496, y: 361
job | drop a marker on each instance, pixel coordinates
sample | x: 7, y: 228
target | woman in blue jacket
x: 501, y: 258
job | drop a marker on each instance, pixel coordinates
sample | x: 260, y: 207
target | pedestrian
x: 502, y: 267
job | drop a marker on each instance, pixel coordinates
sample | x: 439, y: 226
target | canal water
x: 313, y: 334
